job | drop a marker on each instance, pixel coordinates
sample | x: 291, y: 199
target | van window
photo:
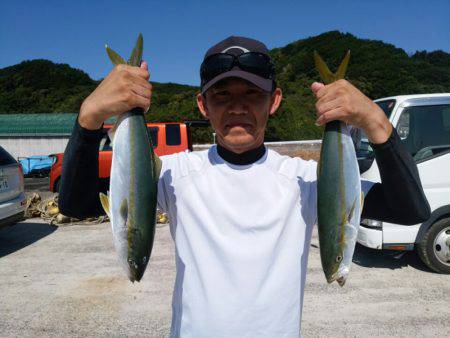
x: 173, y: 135
x: 153, y: 132
x: 446, y: 117
x: 425, y: 131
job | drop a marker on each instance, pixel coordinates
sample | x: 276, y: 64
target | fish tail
x: 340, y: 73
x: 325, y: 73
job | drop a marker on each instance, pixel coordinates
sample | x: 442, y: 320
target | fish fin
x: 111, y: 133
x: 115, y: 58
x: 123, y: 209
x: 136, y: 54
x: 340, y: 73
x: 325, y: 72
x: 352, y: 211
x: 104, y: 200
x: 158, y: 166
x: 362, y: 200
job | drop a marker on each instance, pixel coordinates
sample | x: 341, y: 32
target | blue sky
x: 177, y: 33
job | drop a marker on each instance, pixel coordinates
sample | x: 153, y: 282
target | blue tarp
x: 36, y: 164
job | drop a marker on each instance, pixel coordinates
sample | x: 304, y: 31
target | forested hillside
x: 377, y: 68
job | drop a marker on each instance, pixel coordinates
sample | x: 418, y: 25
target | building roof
x: 53, y: 124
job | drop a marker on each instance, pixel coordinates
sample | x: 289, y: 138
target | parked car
x: 423, y: 124
x: 167, y: 138
x: 12, y: 192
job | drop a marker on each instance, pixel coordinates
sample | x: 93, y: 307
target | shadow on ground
x: 20, y: 235
x: 371, y: 258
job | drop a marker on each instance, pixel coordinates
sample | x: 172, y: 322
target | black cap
x: 237, y: 45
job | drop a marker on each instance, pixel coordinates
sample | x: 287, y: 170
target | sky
x: 178, y: 33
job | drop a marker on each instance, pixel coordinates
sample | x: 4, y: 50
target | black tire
x: 429, y: 252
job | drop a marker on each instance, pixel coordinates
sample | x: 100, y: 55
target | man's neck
x: 247, y: 157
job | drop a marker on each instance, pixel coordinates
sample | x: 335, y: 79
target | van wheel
x: 434, y: 249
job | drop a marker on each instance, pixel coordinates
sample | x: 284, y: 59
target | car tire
x: 434, y: 248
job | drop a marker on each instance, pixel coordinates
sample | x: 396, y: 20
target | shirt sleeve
x: 80, y: 184
x: 399, y: 198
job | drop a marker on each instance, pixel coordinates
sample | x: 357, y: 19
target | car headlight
x: 372, y: 223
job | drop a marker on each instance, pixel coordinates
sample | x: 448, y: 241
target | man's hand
x: 124, y: 88
x: 342, y: 101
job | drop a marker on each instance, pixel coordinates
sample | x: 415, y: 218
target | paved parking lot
x: 66, y: 282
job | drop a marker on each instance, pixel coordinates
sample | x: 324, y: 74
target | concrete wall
x: 289, y: 148
x: 43, y: 146
x: 34, y: 146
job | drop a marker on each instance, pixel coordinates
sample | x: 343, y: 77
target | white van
x: 423, y: 123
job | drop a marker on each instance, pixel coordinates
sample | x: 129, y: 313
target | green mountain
x: 377, y: 68
x: 40, y: 86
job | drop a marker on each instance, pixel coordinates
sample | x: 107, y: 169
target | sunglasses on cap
x: 253, y: 62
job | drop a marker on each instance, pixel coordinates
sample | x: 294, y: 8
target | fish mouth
x: 332, y: 278
x: 341, y: 280
x: 339, y: 277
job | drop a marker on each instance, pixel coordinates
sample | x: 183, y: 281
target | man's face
x: 238, y: 111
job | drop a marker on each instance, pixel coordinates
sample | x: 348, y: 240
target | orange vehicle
x: 167, y: 138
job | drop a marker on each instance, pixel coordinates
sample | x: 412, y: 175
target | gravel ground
x: 66, y: 282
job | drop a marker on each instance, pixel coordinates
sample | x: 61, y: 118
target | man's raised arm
x: 399, y: 198
x: 80, y: 184
x: 124, y: 88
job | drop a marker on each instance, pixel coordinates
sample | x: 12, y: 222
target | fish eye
x: 338, y: 259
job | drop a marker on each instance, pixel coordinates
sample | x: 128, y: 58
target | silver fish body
x: 132, y: 199
x: 133, y: 194
x: 339, y: 201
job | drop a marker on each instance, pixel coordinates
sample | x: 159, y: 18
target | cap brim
x: 264, y: 84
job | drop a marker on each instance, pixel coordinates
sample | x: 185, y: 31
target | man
x: 241, y: 215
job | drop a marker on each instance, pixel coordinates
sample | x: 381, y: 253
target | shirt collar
x: 245, y: 158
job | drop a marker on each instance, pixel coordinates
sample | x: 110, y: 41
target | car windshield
x: 5, y: 157
x: 387, y: 106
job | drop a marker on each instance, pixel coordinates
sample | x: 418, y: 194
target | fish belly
x: 353, y: 207
x: 118, y: 191
x: 339, y: 202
